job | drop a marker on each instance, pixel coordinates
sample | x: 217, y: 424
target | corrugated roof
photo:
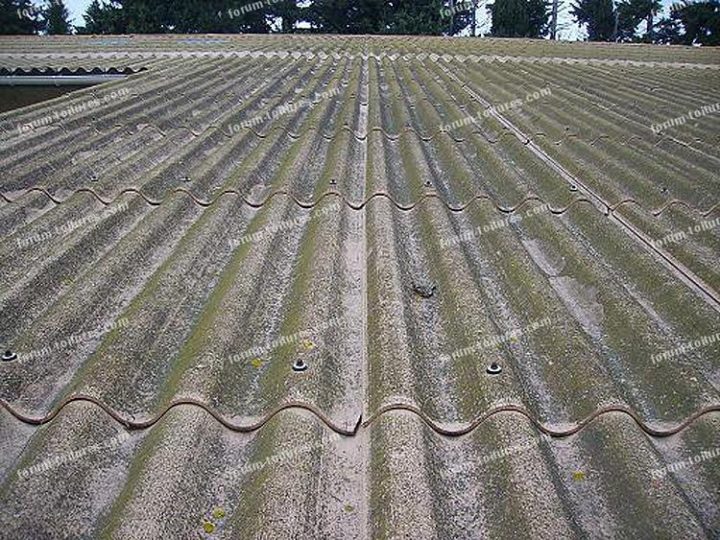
x: 174, y: 244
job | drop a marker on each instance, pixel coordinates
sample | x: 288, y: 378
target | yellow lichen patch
x: 218, y: 513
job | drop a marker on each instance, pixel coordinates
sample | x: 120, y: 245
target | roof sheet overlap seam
x: 360, y: 424
x: 144, y: 424
x: 608, y: 210
x: 425, y: 137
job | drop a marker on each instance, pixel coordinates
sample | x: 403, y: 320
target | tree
x: 427, y: 17
x: 18, y: 17
x: 519, y: 18
x: 598, y: 15
x: 173, y: 16
x: 509, y: 18
x: 538, y: 11
x: 700, y: 20
x: 289, y: 14
x: 330, y: 16
x: 348, y: 16
x: 105, y: 18
x: 668, y: 31
x: 631, y: 13
x: 627, y: 21
x: 647, y: 9
x: 56, y: 17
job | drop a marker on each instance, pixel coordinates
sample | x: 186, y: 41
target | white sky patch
x: 76, y: 9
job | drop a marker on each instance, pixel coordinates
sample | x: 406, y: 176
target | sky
x: 77, y: 8
x: 568, y: 30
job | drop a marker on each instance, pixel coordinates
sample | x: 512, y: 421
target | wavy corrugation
x: 404, y: 57
x: 154, y: 488
x: 257, y: 203
x: 19, y: 72
x: 572, y: 429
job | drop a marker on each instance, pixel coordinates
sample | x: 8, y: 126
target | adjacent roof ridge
x: 393, y: 56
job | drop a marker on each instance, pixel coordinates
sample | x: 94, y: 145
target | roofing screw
x: 494, y: 368
x: 299, y: 365
x: 664, y: 189
x: 186, y: 178
x: 573, y: 187
x: 9, y: 356
x: 428, y: 183
x: 333, y: 182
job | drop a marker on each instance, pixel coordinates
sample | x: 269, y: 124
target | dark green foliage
x: 18, y: 17
x: 633, y: 12
x: 56, y: 18
x: 330, y: 16
x: 176, y: 16
x: 539, y: 13
x: 668, y: 31
x: 348, y: 16
x: 104, y: 18
x: 519, y: 18
x: 289, y: 14
x: 701, y: 21
x: 428, y: 17
x: 598, y: 15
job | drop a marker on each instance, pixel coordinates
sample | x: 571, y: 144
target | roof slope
x: 174, y: 242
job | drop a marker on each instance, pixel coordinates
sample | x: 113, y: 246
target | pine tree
x: 509, y: 18
x: 289, y: 14
x: 538, y: 14
x: 701, y: 21
x: 519, y: 18
x: 103, y: 18
x: 56, y: 17
x: 633, y: 12
x: 598, y: 15
x: 427, y: 17
x: 330, y: 16
x: 349, y: 16
x: 18, y: 17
